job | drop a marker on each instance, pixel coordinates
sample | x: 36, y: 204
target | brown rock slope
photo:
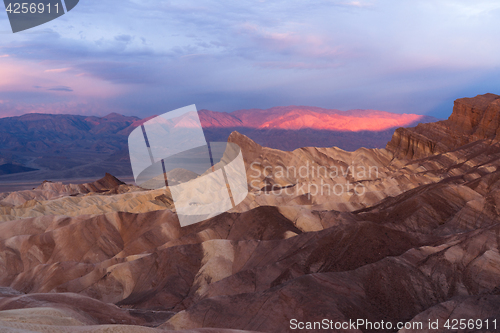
x: 422, y: 242
x: 472, y: 119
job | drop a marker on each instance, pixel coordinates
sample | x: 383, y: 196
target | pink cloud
x: 57, y: 70
x: 355, y: 4
x: 293, y: 44
x: 95, y: 107
x: 25, y: 76
x: 59, y: 90
x: 295, y: 65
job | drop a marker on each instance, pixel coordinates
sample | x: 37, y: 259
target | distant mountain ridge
x: 292, y: 127
x: 73, y: 146
x: 65, y: 146
x: 302, y: 117
x: 48, y: 131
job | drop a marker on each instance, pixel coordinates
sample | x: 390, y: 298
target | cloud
x: 57, y: 70
x: 27, y: 87
x: 123, y: 38
x: 10, y: 109
x: 293, y: 44
x: 61, y: 88
x: 359, y: 4
x: 243, y: 54
x: 295, y: 65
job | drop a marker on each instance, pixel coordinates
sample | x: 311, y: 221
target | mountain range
x: 414, y: 241
x: 292, y: 127
x: 45, y: 146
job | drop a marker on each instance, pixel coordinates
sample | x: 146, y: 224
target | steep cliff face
x: 408, y: 143
x: 473, y: 119
x: 476, y: 116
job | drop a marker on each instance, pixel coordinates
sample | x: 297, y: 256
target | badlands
x: 409, y: 233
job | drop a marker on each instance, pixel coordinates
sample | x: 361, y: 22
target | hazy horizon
x: 229, y: 111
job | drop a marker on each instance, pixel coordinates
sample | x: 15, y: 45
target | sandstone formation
x: 107, y: 185
x: 420, y: 242
x: 472, y: 119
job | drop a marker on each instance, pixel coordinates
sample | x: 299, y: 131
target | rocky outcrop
x: 477, y: 117
x: 107, y: 185
x: 108, y: 182
x: 408, y: 143
x: 69, y: 313
x: 472, y: 119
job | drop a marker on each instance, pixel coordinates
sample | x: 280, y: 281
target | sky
x: 147, y: 57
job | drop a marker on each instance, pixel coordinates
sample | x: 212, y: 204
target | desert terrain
x: 405, y: 233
